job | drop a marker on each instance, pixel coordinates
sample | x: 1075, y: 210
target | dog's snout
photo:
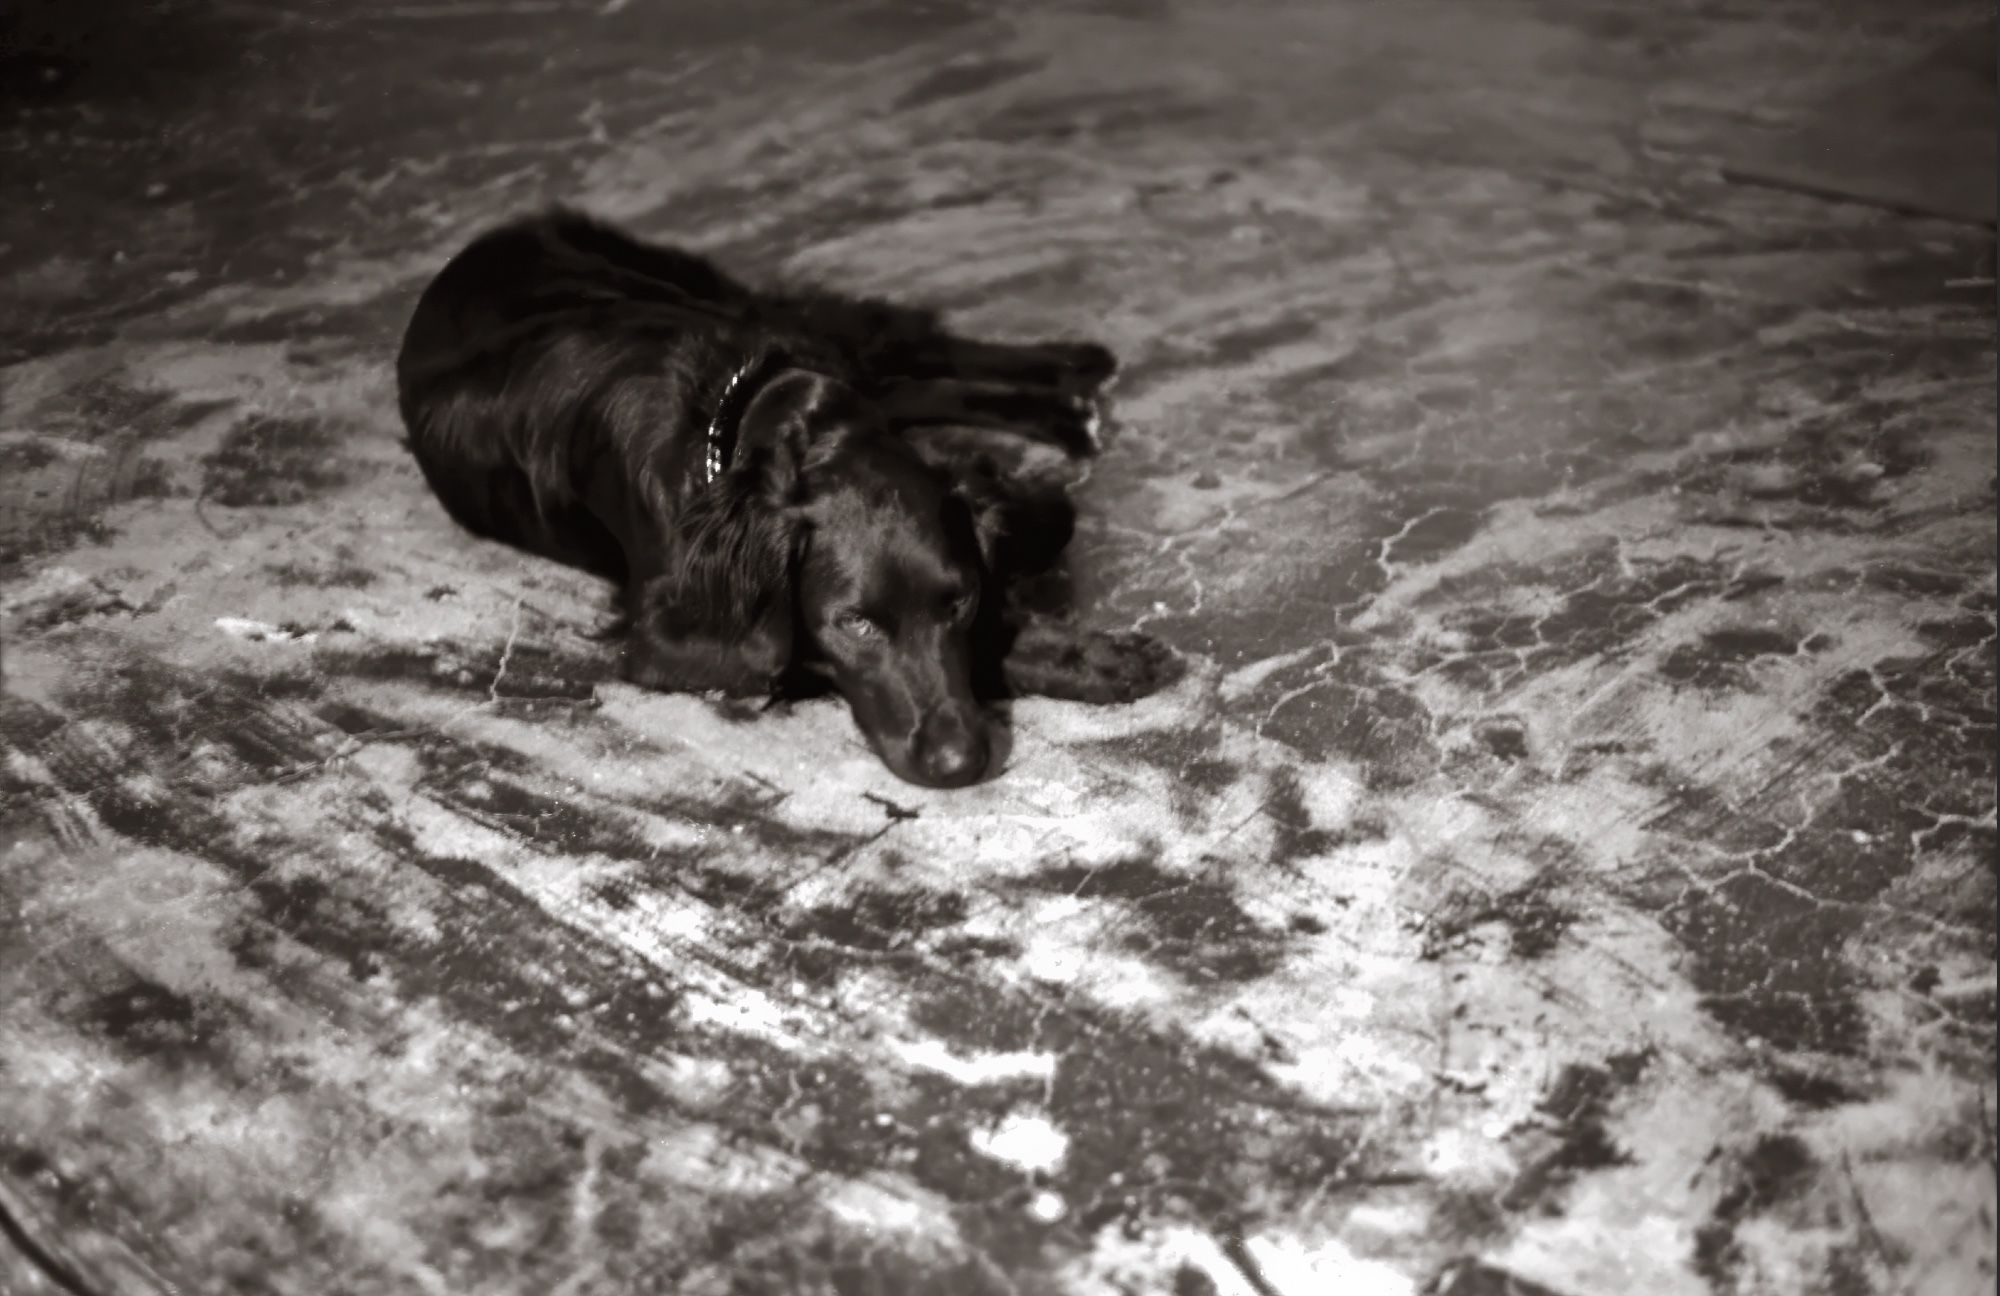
x: 955, y: 755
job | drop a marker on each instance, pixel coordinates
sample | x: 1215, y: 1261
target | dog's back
x: 511, y: 286
x: 519, y: 359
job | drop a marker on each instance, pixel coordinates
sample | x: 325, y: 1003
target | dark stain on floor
x: 1533, y: 914
x: 1717, y: 661
x: 149, y: 1020
x: 1577, y: 1107
x: 1769, y: 967
x: 1759, y: 1178
x: 872, y: 920
x: 335, y: 575
x: 1193, y: 925
x: 267, y: 460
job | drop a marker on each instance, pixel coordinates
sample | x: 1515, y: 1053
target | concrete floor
x: 1566, y: 868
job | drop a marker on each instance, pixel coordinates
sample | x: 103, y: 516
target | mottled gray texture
x: 1568, y: 866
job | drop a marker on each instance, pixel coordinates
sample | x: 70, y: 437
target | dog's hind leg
x: 1043, y: 414
x: 1083, y: 367
x: 1079, y: 368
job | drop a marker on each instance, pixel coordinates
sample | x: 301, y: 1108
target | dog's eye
x: 857, y: 625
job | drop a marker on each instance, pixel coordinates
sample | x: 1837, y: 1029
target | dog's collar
x: 718, y: 443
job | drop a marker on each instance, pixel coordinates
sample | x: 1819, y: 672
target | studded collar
x: 719, y: 439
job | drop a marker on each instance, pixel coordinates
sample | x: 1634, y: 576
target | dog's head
x: 833, y: 550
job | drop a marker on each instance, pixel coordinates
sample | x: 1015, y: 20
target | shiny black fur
x: 559, y: 381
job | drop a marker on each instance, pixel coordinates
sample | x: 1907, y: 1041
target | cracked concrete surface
x: 1568, y: 867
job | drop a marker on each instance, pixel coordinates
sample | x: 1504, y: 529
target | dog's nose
x: 956, y: 758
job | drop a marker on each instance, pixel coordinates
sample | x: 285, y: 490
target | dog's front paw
x: 1129, y: 665
x: 1094, y: 666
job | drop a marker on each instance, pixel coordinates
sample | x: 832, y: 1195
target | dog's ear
x: 775, y: 441
x: 718, y: 611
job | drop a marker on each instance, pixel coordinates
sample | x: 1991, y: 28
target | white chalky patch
x: 1029, y: 1142
x: 244, y: 628
x: 746, y: 1011
x: 1289, y: 1267
x: 1047, y: 1207
x: 984, y: 1068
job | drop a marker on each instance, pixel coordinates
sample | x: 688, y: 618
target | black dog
x: 747, y: 465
